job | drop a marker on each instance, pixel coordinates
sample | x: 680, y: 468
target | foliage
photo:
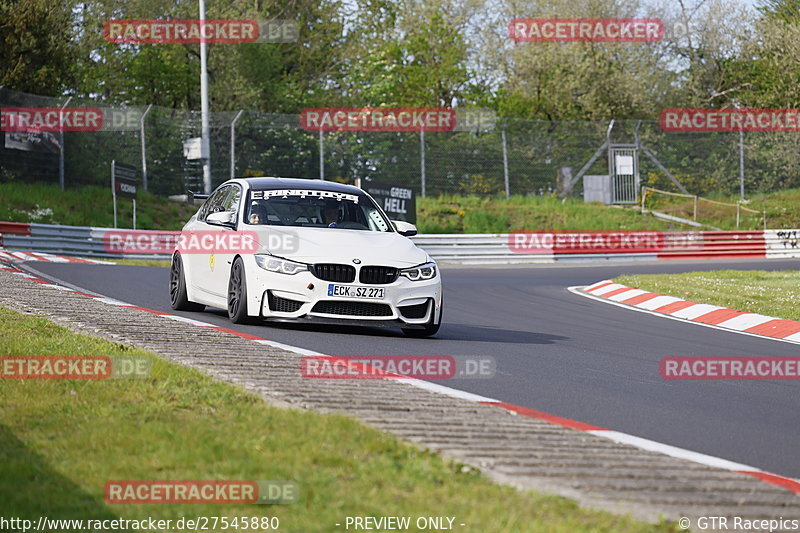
x: 767, y: 74
x: 414, y: 53
x: 36, y: 54
x: 450, y: 53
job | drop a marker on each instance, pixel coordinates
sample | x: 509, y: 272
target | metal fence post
x: 422, y: 160
x: 644, y: 193
x: 233, y: 142
x: 741, y: 165
x: 61, y: 147
x: 505, y: 161
x: 114, y: 191
x: 321, y: 157
x: 144, y: 147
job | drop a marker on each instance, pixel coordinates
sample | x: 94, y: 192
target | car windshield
x: 315, y: 209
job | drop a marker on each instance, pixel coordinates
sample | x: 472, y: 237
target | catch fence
x: 502, y: 156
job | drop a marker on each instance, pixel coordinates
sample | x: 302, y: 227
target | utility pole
x: 205, y: 147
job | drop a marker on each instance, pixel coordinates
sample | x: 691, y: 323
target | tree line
x: 715, y: 53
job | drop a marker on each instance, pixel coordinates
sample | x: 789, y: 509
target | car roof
x: 299, y: 183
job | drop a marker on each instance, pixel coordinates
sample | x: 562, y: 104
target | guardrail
x: 503, y: 248
x: 79, y: 241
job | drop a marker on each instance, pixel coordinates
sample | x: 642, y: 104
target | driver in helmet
x: 258, y: 214
x: 330, y: 214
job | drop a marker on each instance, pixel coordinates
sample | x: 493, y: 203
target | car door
x: 202, y: 260
x: 222, y: 259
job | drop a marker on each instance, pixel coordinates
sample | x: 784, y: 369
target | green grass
x: 60, y: 441
x: 767, y: 293
x: 782, y: 210
x: 163, y: 263
x: 473, y: 214
x: 88, y: 206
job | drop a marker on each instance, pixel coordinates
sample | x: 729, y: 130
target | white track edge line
x: 617, y: 436
x: 290, y: 348
x: 420, y: 384
x: 613, y: 435
x: 580, y: 292
x: 672, y: 451
x: 667, y: 449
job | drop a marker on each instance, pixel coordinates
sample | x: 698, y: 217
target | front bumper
x: 303, y: 297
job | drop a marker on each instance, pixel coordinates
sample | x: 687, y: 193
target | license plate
x: 348, y: 291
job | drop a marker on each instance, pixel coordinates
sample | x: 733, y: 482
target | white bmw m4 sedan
x: 304, y: 251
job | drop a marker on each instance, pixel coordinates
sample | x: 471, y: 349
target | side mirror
x: 223, y: 218
x: 405, y: 229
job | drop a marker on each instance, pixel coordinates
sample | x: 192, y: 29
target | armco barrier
x: 502, y: 248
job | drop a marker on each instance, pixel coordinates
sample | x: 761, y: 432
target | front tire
x: 237, y: 294
x: 430, y: 328
x: 177, y: 288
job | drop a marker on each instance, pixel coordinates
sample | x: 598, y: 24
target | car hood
x: 331, y: 245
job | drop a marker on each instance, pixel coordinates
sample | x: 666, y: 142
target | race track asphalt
x: 556, y: 352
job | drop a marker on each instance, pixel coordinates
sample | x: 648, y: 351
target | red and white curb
x: 707, y: 315
x: 8, y: 255
x: 790, y: 484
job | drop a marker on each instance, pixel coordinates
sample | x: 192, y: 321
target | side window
x: 214, y: 203
x: 231, y: 200
x: 201, y: 215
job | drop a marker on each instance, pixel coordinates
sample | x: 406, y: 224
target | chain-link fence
x: 512, y: 157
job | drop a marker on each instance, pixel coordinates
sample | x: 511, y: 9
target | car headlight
x: 420, y: 273
x: 278, y: 264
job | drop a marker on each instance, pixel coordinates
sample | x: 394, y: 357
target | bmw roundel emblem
x: 357, y: 261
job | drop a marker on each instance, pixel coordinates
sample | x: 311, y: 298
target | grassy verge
x: 60, y: 441
x: 164, y: 263
x: 782, y: 210
x: 768, y: 293
x: 88, y: 206
x: 473, y: 214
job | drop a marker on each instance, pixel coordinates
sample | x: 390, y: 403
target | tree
x: 575, y: 80
x: 263, y: 76
x: 707, y: 35
x: 281, y: 77
x: 785, y: 10
x: 767, y: 73
x: 36, y: 48
x: 407, y: 53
